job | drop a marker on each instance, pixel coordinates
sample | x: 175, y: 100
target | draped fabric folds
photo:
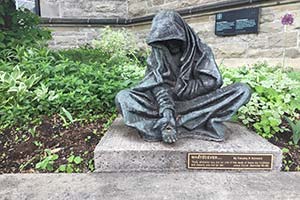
x: 187, y: 81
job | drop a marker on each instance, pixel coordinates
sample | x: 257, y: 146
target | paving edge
x: 154, y: 186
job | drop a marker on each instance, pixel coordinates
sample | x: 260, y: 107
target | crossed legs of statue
x: 201, y: 117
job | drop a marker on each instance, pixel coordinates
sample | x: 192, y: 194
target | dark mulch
x: 291, y: 152
x: 19, y: 148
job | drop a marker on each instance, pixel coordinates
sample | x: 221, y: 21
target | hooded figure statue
x: 180, y: 95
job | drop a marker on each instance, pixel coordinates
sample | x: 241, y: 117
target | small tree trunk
x: 9, y: 7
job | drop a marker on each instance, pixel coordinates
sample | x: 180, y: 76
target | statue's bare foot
x: 169, y: 135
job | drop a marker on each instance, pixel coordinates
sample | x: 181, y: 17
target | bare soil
x: 19, y: 148
x: 291, y: 152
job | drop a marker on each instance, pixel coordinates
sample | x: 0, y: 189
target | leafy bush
x: 117, y: 43
x: 85, y: 55
x: 295, y: 75
x: 36, y: 82
x: 19, y: 27
x: 295, y: 129
x: 274, y: 95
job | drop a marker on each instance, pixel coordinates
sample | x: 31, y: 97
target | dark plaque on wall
x: 236, y: 22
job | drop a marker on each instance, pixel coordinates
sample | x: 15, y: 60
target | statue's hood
x: 197, y: 57
x: 167, y: 25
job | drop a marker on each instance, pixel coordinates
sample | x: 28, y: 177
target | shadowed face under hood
x: 197, y: 59
x: 166, y: 25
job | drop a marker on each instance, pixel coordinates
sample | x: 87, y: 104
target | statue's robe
x: 189, y: 83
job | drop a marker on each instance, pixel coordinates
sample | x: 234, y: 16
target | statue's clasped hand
x: 167, y: 126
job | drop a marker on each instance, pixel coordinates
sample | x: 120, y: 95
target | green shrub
x: 85, y: 55
x: 19, y: 27
x: 274, y: 95
x: 36, y: 82
x: 295, y: 130
x: 295, y: 75
x: 116, y: 43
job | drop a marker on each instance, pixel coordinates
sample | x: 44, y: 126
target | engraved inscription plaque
x: 227, y: 161
x: 236, y: 22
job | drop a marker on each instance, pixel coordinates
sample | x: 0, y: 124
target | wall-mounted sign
x: 236, y: 22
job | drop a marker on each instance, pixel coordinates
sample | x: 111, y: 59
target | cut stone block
x: 151, y: 186
x: 123, y: 150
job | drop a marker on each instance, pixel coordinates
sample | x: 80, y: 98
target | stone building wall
x: 65, y: 37
x: 268, y: 45
x: 83, y: 8
x: 146, y: 7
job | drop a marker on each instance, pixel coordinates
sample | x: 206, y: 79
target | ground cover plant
x: 274, y: 109
x: 55, y: 106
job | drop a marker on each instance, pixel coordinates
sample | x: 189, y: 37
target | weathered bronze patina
x: 181, y: 94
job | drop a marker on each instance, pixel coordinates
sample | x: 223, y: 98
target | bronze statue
x: 180, y: 95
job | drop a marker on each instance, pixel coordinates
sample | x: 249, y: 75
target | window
x: 32, y: 5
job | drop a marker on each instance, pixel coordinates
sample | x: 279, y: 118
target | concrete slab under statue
x: 123, y: 150
x: 180, y: 109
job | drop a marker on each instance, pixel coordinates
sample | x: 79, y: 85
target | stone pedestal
x: 122, y: 150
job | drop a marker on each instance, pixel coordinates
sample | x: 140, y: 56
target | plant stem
x: 284, y: 51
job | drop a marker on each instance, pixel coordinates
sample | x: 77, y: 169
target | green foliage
x: 68, y: 115
x: 295, y: 129
x: 274, y: 95
x: 115, y: 46
x: 294, y: 75
x: 85, y: 55
x: 47, y: 162
x: 19, y: 27
x: 91, y: 165
x: 36, y: 82
x: 117, y: 43
x: 72, y: 165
